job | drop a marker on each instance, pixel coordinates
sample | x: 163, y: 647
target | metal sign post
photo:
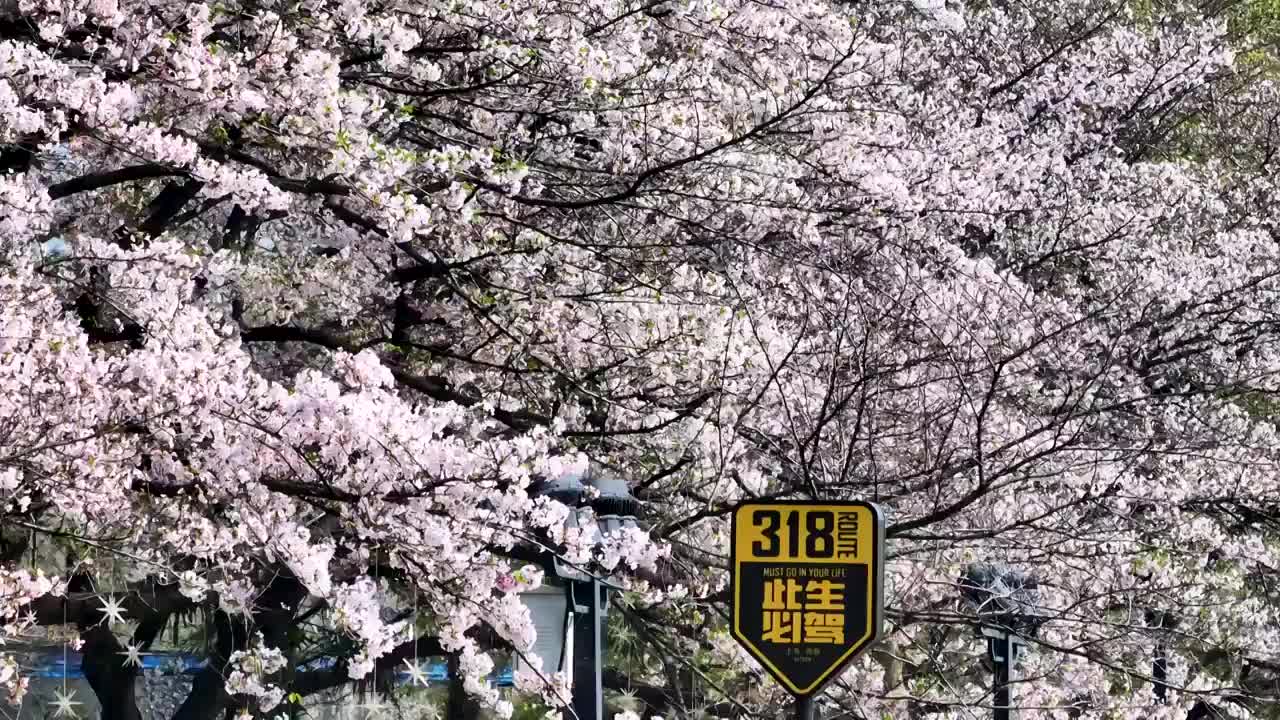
x: 807, y: 589
x: 804, y: 708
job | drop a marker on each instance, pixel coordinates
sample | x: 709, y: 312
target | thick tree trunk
x: 279, y: 606
x: 208, y: 697
x: 460, y: 705
x: 111, y: 679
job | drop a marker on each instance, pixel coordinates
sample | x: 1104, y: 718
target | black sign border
x: 875, y: 579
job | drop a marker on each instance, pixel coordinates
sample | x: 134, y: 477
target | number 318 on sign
x: 805, y: 534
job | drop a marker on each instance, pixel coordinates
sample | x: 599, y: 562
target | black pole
x: 805, y: 708
x: 1160, y: 663
x: 1004, y: 676
x: 1160, y: 671
x: 588, y: 650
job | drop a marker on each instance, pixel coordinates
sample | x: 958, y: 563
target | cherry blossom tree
x: 301, y: 299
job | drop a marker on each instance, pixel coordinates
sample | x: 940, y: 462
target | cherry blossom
x: 301, y: 301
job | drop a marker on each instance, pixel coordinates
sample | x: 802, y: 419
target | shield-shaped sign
x: 808, y: 583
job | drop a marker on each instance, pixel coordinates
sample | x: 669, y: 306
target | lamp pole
x: 610, y: 501
x: 1158, y: 621
x: 589, y: 601
x: 1004, y: 661
x: 1007, y: 604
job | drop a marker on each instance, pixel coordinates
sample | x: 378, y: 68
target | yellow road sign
x: 808, y: 585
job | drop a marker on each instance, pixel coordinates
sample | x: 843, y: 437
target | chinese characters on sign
x: 806, y: 587
x: 815, y: 607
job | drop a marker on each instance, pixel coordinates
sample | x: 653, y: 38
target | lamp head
x: 1003, y: 596
x: 592, y: 487
x: 589, y: 486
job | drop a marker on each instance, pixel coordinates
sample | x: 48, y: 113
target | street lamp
x: 575, y: 617
x: 1008, y: 605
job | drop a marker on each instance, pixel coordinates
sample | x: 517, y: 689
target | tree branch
x: 97, y: 181
x: 314, y: 681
